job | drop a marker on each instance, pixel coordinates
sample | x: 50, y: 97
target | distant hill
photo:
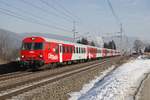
x: 10, y: 43
x: 13, y: 38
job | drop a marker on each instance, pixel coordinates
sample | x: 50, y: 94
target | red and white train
x: 40, y: 51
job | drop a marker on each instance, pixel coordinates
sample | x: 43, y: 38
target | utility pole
x: 121, y: 31
x: 121, y: 38
x: 74, y: 31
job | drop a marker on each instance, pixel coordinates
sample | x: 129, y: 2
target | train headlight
x: 22, y: 56
x: 40, y: 56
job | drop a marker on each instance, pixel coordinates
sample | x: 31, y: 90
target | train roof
x: 67, y: 42
x: 61, y: 41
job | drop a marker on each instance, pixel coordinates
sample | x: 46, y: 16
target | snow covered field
x: 120, y: 84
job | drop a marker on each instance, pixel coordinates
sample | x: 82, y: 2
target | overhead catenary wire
x: 65, y: 13
x: 31, y: 20
x: 53, y: 7
x: 26, y: 12
x: 113, y: 12
x: 66, y: 10
x: 118, y: 20
x: 116, y: 17
x: 44, y: 10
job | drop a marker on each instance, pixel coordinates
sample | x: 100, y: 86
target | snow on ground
x: 87, y: 87
x: 120, y: 84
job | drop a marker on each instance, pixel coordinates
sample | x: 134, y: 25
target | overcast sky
x: 92, y: 16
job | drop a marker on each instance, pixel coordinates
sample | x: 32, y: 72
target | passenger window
x: 76, y: 49
x: 48, y: 46
x: 67, y: 49
x: 63, y: 49
x: 82, y: 50
x: 56, y: 50
x: 79, y: 50
x: 70, y: 49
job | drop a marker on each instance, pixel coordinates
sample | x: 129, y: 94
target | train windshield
x: 38, y: 46
x: 32, y: 46
x: 26, y: 46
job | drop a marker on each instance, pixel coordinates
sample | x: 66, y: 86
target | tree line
x: 109, y: 45
x: 147, y: 48
x: 85, y: 41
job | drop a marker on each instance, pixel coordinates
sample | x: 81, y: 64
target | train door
x: 60, y: 52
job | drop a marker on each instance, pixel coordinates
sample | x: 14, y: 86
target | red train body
x: 40, y: 51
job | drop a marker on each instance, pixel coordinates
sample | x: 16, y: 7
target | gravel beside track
x: 11, y: 82
x: 24, y: 80
x: 59, y: 89
x: 14, y: 75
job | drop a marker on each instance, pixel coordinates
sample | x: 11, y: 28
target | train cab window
x: 27, y: 46
x: 38, y: 46
x: 32, y: 46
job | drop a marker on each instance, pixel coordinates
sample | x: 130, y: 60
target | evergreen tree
x: 110, y: 45
x: 83, y: 41
x: 92, y: 43
x: 105, y: 45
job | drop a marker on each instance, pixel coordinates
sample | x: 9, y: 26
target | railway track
x: 14, y: 75
x: 18, y: 88
x: 24, y: 73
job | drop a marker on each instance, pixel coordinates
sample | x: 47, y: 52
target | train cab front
x: 32, y: 52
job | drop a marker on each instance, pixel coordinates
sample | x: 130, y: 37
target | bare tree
x: 138, y: 45
x: 8, y: 49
